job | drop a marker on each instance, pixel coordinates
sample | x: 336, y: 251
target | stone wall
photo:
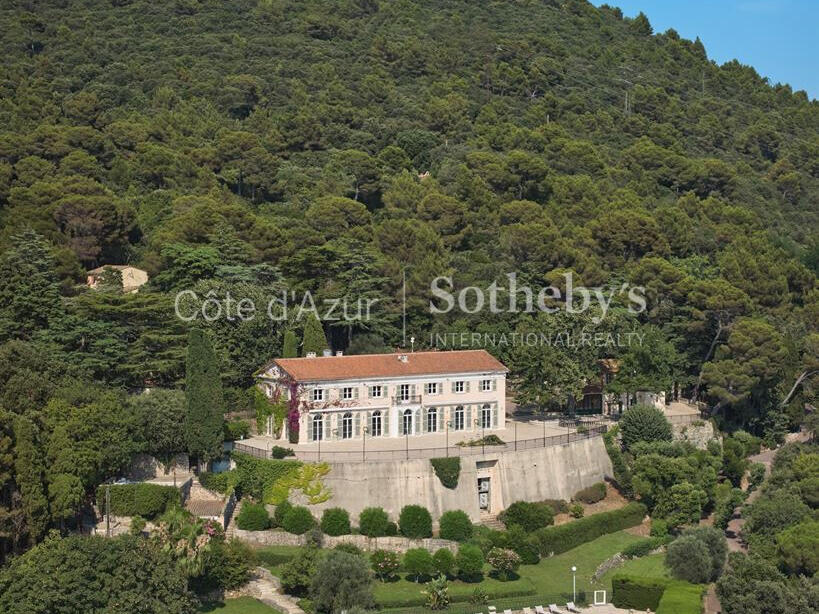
x: 696, y: 432
x: 554, y: 472
x: 368, y: 544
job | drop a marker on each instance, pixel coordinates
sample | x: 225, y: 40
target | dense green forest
x: 264, y: 146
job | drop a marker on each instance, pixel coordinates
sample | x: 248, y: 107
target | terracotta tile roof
x: 364, y: 366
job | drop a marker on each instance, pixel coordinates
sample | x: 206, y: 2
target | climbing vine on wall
x: 306, y: 479
x: 448, y: 470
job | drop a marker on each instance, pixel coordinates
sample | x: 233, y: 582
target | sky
x: 779, y: 38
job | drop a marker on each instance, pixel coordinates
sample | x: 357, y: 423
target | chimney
x: 326, y: 352
x: 310, y: 355
x: 339, y: 353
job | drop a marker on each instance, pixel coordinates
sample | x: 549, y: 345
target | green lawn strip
x: 241, y: 605
x: 681, y: 598
x: 651, y: 566
x: 403, y: 593
x: 273, y: 557
x: 553, y: 575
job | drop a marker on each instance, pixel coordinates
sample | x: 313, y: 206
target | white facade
x: 406, y: 406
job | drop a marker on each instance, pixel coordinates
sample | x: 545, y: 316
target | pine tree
x: 205, y: 404
x: 314, y: 339
x: 29, y: 475
x: 29, y: 291
x: 290, y: 347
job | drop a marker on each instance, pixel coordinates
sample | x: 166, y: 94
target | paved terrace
x: 518, y: 435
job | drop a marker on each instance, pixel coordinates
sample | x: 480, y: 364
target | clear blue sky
x: 779, y: 38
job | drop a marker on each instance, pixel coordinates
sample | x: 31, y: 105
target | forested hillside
x: 255, y: 146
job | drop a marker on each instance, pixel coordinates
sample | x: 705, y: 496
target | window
x: 375, y: 424
x: 406, y: 422
x: 486, y: 385
x: 347, y: 426
x: 404, y: 392
x: 432, y: 420
x: 459, y: 418
x: 318, y: 427
x: 376, y: 392
x: 460, y: 386
x: 486, y: 417
x: 318, y: 394
x: 431, y: 388
x: 347, y: 393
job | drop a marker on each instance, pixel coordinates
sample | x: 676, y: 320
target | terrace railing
x: 413, y: 453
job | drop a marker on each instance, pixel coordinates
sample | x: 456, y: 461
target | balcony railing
x: 407, y: 399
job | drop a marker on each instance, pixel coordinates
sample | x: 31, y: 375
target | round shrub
x: 469, y: 562
x: 576, y: 510
x: 281, y: 511
x: 505, y: 562
x: 298, y: 520
x: 392, y: 529
x: 373, y: 521
x: 385, y: 564
x: 418, y: 563
x: 349, y: 549
x: 688, y: 559
x: 592, y: 494
x: 529, y: 516
x: 415, y: 522
x: 341, y: 582
x: 335, y: 521
x: 521, y: 542
x: 253, y: 517
x: 714, y: 541
x: 644, y: 423
x: 443, y: 561
x: 455, y: 525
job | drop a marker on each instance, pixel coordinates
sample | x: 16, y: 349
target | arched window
x: 318, y: 426
x: 432, y: 420
x: 486, y: 417
x: 375, y: 423
x: 459, y: 418
x: 347, y: 426
x: 406, y: 422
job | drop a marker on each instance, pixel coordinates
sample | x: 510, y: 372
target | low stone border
x: 368, y: 544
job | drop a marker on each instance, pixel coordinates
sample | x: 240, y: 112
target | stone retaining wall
x: 368, y: 544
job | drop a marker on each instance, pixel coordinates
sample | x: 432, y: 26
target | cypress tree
x: 29, y: 475
x: 314, y: 339
x: 205, y: 406
x: 29, y: 290
x: 290, y: 347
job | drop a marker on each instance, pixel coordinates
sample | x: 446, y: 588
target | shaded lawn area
x: 242, y: 605
x: 406, y: 593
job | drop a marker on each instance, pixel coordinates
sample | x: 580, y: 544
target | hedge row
x: 555, y: 540
x: 143, y: 499
x: 637, y: 593
x: 655, y: 594
x: 644, y: 546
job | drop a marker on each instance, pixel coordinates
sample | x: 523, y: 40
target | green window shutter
x: 495, y: 416
x: 452, y: 387
x: 356, y: 423
x: 424, y: 420
x: 468, y: 419
x: 441, y: 418
x: 494, y: 385
x: 355, y: 392
x: 467, y: 386
x: 309, y: 427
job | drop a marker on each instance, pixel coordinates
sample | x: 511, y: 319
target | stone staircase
x: 492, y: 522
x: 203, y: 502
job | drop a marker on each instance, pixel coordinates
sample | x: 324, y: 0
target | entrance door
x: 483, y: 494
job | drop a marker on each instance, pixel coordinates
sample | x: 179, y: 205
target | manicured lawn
x: 405, y: 593
x: 553, y: 576
x: 242, y: 605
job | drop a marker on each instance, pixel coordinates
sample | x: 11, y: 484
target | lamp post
x: 574, y: 583
x: 544, y: 430
x: 364, y: 432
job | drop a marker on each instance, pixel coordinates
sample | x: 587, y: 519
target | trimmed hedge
x: 455, y: 525
x: 373, y: 522
x: 448, y: 470
x: 335, y: 521
x: 636, y: 592
x: 279, y: 452
x: 644, y: 546
x: 415, y: 522
x: 253, y: 517
x: 530, y: 516
x: 592, y: 494
x: 555, y: 540
x: 222, y: 483
x: 298, y: 520
x: 143, y: 499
